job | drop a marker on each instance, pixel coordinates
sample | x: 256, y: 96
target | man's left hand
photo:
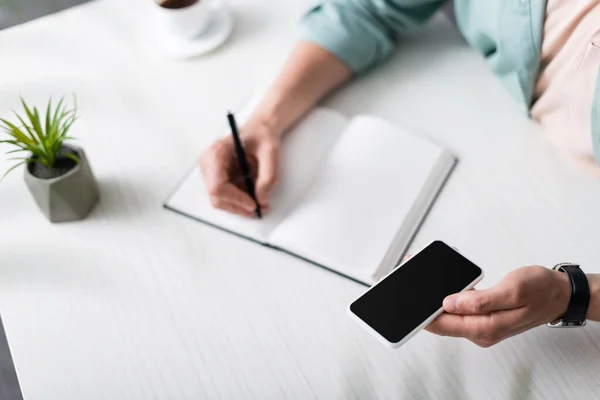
x: 525, y: 298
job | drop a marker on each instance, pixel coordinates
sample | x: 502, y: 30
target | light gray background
x: 15, y: 13
x: 136, y: 303
x: 9, y: 384
x: 19, y: 11
x: 24, y: 10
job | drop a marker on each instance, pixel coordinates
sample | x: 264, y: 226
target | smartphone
x: 411, y: 296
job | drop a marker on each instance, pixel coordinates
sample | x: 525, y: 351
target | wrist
x: 260, y: 127
x: 266, y: 123
x: 593, y: 313
x: 272, y: 114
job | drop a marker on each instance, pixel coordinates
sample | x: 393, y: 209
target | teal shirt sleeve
x: 363, y: 33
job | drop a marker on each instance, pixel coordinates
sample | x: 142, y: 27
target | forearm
x: 309, y: 74
x: 594, y: 309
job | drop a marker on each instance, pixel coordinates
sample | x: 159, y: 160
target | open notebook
x: 351, y: 194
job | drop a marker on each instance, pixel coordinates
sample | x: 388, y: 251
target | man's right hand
x: 310, y: 73
x: 222, y: 173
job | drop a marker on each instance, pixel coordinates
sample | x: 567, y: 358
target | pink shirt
x: 565, y: 88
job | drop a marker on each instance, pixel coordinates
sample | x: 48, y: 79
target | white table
x: 139, y: 303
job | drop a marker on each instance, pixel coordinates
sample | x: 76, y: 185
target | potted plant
x: 58, y: 175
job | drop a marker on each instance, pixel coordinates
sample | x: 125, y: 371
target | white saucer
x: 215, y: 35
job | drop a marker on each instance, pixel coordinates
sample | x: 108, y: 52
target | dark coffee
x: 174, y: 4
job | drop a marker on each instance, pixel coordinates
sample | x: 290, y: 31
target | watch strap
x: 580, y: 295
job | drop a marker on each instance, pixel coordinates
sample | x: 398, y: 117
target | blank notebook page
x: 361, y: 198
x: 304, y: 150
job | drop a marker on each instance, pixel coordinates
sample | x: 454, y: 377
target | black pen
x: 241, y: 155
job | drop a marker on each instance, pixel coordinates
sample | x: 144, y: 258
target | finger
x: 216, y: 161
x: 268, y: 171
x: 229, y: 193
x: 479, y: 301
x: 232, y: 194
x: 448, y: 325
x: 484, y: 330
x: 215, y: 164
x: 468, y: 327
x: 233, y: 208
x: 465, y: 326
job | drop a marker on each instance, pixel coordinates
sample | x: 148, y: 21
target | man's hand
x: 310, y: 73
x: 525, y: 298
x: 223, y: 177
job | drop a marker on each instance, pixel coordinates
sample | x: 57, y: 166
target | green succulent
x: 42, y: 139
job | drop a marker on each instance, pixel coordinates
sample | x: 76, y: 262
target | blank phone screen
x: 413, y: 292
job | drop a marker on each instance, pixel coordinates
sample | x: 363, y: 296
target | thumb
x: 477, y: 302
x: 268, y: 156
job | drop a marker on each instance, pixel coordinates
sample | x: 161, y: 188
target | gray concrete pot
x: 65, y: 193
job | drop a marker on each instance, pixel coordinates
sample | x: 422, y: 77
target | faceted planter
x: 65, y: 193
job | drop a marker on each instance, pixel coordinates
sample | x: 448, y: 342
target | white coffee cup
x: 188, y: 21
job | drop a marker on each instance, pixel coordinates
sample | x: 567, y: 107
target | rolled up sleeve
x: 363, y: 33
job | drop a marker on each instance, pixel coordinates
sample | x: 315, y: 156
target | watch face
x: 561, y: 324
x: 561, y: 266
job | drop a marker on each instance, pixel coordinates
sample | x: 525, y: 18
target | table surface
x: 139, y: 303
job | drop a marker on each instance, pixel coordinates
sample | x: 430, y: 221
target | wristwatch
x: 580, y: 297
